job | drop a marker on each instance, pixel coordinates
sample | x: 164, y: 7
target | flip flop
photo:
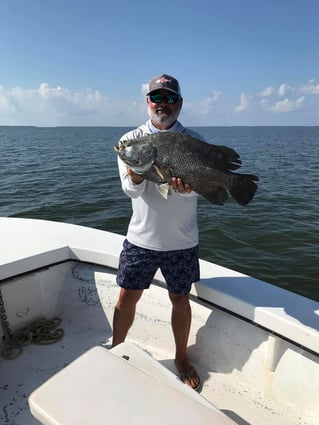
x: 187, y: 376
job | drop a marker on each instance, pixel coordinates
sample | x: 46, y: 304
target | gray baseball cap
x: 166, y: 82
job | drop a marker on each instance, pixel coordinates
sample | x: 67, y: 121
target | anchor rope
x: 41, y: 332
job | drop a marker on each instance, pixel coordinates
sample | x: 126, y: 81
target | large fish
x: 207, y: 168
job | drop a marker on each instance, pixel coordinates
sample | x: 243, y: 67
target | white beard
x: 165, y: 117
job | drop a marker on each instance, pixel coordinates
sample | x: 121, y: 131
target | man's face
x: 163, y: 114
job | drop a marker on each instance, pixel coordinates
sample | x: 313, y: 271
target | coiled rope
x: 40, y: 332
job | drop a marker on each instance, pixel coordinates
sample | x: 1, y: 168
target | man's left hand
x: 177, y: 185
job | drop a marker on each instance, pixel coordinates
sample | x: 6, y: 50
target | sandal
x: 188, y: 376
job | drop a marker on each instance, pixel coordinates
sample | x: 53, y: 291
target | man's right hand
x: 136, y: 178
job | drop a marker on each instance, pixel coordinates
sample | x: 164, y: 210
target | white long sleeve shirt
x: 157, y: 223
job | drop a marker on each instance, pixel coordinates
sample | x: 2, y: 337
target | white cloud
x: 50, y: 106
x: 59, y: 106
x: 310, y: 88
x: 283, y: 90
x: 244, y: 103
x: 291, y: 101
x: 144, y: 89
x: 64, y: 99
x: 268, y: 91
x: 288, y: 105
x: 7, y: 102
x: 56, y: 100
x: 264, y: 103
x: 206, y: 105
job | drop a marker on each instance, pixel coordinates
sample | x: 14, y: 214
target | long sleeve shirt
x: 157, y: 223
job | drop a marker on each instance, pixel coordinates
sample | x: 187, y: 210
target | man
x: 162, y: 232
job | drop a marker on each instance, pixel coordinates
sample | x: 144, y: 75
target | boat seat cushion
x: 101, y: 387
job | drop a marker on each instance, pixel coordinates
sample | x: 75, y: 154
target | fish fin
x: 231, y: 158
x: 216, y: 196
x: 220, y: 157
x: 243, y: 187
x: 164, y: 189
x: 158, y: 172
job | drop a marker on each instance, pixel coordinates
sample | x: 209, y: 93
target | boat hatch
x: 123, y: 386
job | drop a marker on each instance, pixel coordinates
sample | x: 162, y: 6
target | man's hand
x: 178, y: 185
x: 137, y: 179
x: 175, y: 183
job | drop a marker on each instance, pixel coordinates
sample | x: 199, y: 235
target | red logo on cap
x: 163, y: 80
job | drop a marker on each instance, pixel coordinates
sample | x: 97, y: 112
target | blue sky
x: 239, y: 62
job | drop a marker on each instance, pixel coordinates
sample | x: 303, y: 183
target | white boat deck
x: 30, y: 244
x: 243, y: 368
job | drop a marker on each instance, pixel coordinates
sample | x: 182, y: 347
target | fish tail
x: 243, y: 187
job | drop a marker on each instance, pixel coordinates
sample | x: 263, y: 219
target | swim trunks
x: 137, y: 267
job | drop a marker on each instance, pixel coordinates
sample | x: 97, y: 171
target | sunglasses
x: 159, y: 98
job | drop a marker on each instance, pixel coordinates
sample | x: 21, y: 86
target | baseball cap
x: 166, y: 82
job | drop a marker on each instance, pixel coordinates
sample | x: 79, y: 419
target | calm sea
x: 70, y: 175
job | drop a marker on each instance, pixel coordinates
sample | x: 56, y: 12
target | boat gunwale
x: 157, y: 282
x: 248, y: 298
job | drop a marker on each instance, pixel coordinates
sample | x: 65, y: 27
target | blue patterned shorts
x: 138, y: 266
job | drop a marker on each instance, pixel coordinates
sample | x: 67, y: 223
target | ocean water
x: 70, y: 174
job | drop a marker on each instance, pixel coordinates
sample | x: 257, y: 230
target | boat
x: 254, y: 345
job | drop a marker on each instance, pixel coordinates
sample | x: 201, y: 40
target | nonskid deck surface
x: 85, y: 326
x: 86, y: 308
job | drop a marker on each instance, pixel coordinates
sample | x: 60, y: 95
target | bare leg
x: 124, y: 314
x: 181, y: 323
